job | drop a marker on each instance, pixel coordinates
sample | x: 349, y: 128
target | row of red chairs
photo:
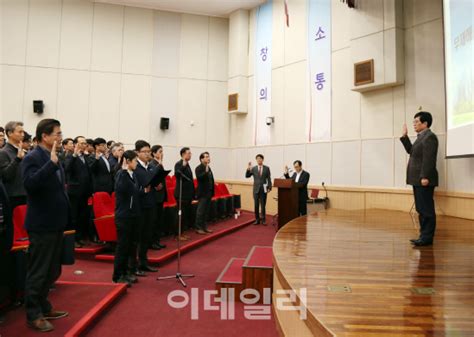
x: 104, y: 208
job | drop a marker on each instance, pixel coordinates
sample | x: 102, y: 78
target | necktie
x: 260, y: 171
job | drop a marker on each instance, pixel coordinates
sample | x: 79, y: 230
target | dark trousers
x: 303, y: 207
x: 260, y: 199
x: 203, y: 212
x: 424, y: 203
x: 44, y: 265
x: 145, y: 234
x: 79, y: 215
x: 125, y: 228
x: 186, y: 215
x: 159, y: 226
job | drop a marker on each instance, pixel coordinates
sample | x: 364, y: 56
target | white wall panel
x: 107, y: 38
x: 192, y: 109
x: 292, y: 153
x: 217, y: 118
x: 377, y: 162
x: 346, y: 163
x: 135, y: 101
x: 218, y: 49
x: 194, y: 46
x: 76, y: 34
x: 318, y: 162
x: 14, y: 22
x: 73, y: 102
x: 104, y: 105
x: 44, y: 24
x: 296, y: 34
x: 137, y: 41
x: 12, y: 89
x: 295, y: 103
x: 166, y: 46
x: 376, y: 110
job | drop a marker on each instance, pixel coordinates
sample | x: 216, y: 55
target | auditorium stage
x: 363, y: 278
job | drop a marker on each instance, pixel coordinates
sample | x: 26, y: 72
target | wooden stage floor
x: 363, y: 278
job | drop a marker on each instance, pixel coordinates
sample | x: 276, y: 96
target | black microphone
x: 325, y: 190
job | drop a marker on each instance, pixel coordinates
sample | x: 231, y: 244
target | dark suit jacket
x: 147, y: 200
x: 258, y: 180
x: 6, y: 228
x: 78, y: 176
x: 10, y: 171
x: 304, y: 180
x: 205, y: 180
x: 127, y: 195
x: 102, y: 178
x: 188, y: 184
x: 47, y: 200
x: 161, y: 195
x: 423, y: 155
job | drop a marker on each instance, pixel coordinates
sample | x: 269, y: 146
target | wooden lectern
x: 287, y: 200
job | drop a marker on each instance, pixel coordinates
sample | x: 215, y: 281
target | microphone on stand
x: 325, y: 190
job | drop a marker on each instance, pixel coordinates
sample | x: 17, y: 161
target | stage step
x: 231, y: 276
x: 253, y: 272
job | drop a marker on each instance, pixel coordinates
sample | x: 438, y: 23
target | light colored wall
x: 113, y: 71
x: 364, y: 149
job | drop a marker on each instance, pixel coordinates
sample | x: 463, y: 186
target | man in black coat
x: 79, y: 188
x: 10, y: 159
x: 161, y: 197
x: 144, y: 173
x: 47, y: 216
x: 301, y: 177
x: 422, y: 174
x: 185, y: 183
x: 102, y: 172
x: 205, y: 192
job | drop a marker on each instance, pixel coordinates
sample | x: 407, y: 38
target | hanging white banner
x: 319, y: 61
x: 263, y: 73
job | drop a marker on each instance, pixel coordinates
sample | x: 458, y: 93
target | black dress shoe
x: 414, y: 240
x: 257, y: 222
x: 155, y: 246
x: 140, y: 273
x: 420, y: 243
x: 148, y: 268
x: 161, y: 245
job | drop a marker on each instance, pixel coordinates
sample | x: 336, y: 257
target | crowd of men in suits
x: 55, y: 178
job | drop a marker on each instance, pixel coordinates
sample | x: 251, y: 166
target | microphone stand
x: 178, y: 276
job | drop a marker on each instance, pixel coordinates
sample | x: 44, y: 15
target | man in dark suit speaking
x: 301, y: 177
x: 422, y: 174
x: 262, y: 184
x: 47, y: 215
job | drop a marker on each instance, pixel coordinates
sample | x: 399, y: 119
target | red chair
x: 106, y: 228
x: 20, y: 235
x: 314, y: 193
x: 102, y: 204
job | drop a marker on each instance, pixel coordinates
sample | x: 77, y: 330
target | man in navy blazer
x: 47, y: 215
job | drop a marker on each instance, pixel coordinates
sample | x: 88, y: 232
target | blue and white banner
x: 319, y: 66
x: 263, y: 73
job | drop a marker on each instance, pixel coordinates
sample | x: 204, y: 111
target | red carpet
x: 68, y: 296
x: 260, y: 257
x: 232, y: 272
x: 220, y: 228
x: 144, y: 311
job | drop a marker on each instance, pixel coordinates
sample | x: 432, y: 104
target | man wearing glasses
x: 47, y: 216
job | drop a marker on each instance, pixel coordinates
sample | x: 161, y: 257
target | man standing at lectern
x: 262, y: 184
x: 301, y: 177
x: 422, y: 174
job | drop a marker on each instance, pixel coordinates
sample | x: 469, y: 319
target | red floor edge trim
x: 83, y: 324
x: 185, y: 247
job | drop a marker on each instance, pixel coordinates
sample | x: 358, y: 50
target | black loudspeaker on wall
x: 164, y: 123
x: 38, y: 107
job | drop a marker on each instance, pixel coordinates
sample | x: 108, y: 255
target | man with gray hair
x: 10, y: 158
